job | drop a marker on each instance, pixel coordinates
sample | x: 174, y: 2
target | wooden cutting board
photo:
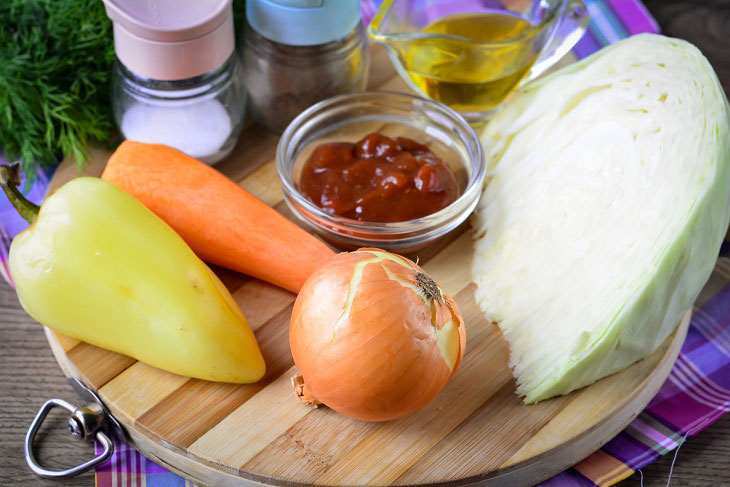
x: 476, y: 431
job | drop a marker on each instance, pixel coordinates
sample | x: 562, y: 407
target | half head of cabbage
x: 607, y: 200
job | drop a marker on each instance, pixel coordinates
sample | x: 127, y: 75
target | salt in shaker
x: 177, y: 80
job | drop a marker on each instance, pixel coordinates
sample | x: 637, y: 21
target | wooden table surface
x: 29, y: 374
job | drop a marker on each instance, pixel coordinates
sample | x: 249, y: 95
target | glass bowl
x: 347, y: 118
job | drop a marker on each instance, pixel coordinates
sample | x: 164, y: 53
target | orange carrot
x: 222, y: 222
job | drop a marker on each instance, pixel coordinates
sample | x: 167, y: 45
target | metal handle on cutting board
x: 88, y: 422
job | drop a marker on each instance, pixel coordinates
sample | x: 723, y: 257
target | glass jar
x: 286, y: 71
x: 200, y: 116
x: 177, y: 79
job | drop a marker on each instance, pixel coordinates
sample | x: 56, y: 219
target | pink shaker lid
x: 172, y: 39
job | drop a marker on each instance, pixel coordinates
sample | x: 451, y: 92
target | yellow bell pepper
x: 98, y: 266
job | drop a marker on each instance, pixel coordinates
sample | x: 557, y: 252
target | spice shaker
x: 177, y: 80
x: 298, y: 52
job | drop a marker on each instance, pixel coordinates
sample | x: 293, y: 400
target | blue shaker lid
x: 303, y: 22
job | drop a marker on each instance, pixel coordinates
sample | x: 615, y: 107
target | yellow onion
x: 373, y: 336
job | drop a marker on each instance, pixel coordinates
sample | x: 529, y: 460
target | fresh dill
x: 56, y: 62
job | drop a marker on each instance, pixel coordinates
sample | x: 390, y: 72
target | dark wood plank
x: 29, y: 376
x: 704, y: 23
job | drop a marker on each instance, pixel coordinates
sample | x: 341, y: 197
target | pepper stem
x: 9, y: 181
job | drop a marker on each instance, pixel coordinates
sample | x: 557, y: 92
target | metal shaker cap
x: 172, y: 39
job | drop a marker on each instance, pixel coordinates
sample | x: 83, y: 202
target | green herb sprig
x: 56, y: 61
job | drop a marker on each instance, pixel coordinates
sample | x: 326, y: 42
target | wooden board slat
x: 139, y: 388
x: 280, y: 412
x: 98, y: 366
x: 191, y: 410
x: 476, y: 430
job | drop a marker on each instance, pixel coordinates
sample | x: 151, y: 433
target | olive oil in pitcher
x: 466, y: 75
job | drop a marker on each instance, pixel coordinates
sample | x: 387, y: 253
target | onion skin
x: 381, y: 360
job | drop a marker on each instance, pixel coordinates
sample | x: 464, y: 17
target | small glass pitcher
x: 471, y: 54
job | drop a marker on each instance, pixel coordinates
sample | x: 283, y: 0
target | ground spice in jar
x: 286, y: 72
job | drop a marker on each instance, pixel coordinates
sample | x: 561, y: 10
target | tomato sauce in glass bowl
x: 378, y: 179
x: 349, y: 119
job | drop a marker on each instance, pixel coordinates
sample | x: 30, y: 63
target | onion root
x: 302, y: 393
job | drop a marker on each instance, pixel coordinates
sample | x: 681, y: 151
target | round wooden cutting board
x: 476, y: 431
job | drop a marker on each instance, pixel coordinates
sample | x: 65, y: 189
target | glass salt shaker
x: 177, y: 80
x: 299, y: 52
